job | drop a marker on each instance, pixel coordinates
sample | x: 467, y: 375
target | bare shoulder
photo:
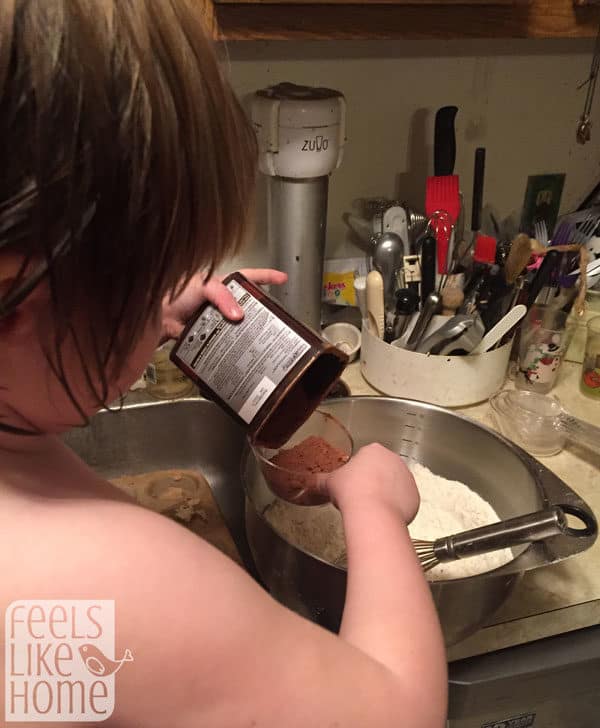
x: 86, y: 541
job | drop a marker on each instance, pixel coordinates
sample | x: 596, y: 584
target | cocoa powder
x: 312, y: 455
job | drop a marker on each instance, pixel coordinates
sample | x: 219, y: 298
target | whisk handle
x: 512, y: 532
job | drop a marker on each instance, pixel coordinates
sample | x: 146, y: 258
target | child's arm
x: 215, y: 651
x: 389, y: 613
x: 212, y: 650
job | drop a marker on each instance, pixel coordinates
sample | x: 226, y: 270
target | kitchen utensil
x: 412, y: 272
x: 428, y: 266
x: 497, y: 332
x: 395, y: 221
x: 344, y: 336
x: 518, y: 257
x: 377, y: 208
x: 428, y: 309
x: 542, y: 278
x: 452, y: 300
x: 519, y: 292
x: 590, y: 371
x: 439, y: 439
x: 375, y: 307
x: 546, y: 412
x: 525, y: 529
x: 538, y: 423
x: 442, y: 190
x: 563, y: 233
x: 484, y: 252
x: 545, y: 336
x: 360, y: 291
x: 297, y: 485
x: 407, y: 302
x: 444, y: 142
x: 388, y: 259
x: 532, y: 428
x: 490, y: 299
x: 584, y: 232
x: 467, y: 341
x: 592, y: 273
x: 417, y: 224
x: 484, y: 257
x: 459, y: 230
x: 456, y: 326
x: 477, y: 202
x: 592, y: 268
x: 440, y: 223
x: 541, y: 232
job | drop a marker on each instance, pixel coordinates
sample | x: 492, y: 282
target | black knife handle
x: 444, y: 141
x: 428, y: 266
x: 549, y: 264
x: 478, y: 176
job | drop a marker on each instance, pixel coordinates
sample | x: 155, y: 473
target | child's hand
x: 177, y: 312
x: 375, y: 474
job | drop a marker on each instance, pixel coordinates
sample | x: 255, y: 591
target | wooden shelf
x: 536, y: 19
x: 414, y: 3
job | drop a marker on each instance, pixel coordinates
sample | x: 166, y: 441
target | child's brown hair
x: 126, y: 161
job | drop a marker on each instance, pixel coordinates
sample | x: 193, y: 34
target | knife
x: 428, y: 266
x: 444, y: 141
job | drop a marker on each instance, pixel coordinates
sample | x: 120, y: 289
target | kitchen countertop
x: 559, y: 598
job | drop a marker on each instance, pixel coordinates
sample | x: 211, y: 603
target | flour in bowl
x: 447, y: 507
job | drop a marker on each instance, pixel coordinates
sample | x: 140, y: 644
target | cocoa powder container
x: 268, y: 371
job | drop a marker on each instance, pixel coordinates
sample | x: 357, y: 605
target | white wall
x: 519, y: 99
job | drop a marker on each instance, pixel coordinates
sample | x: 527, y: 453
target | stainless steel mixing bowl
x: 452, y: 446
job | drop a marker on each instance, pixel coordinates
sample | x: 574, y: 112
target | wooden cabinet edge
x: 536, y: 19
x: 403, y: 3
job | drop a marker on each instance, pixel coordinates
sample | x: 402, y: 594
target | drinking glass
x: 545, y: 336
x: 590, y: 369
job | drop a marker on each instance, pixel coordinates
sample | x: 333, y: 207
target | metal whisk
x: 504, y: 534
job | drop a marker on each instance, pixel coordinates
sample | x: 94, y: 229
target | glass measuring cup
x: 539, y: 424
x: 300, y: 477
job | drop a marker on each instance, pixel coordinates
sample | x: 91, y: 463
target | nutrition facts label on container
x: 242, y: 362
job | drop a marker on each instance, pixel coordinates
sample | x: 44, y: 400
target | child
x: 128, y: 164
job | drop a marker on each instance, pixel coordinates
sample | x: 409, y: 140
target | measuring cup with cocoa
x: 298, y: 471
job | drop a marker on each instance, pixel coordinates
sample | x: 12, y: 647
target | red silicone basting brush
x: 442, y: 190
